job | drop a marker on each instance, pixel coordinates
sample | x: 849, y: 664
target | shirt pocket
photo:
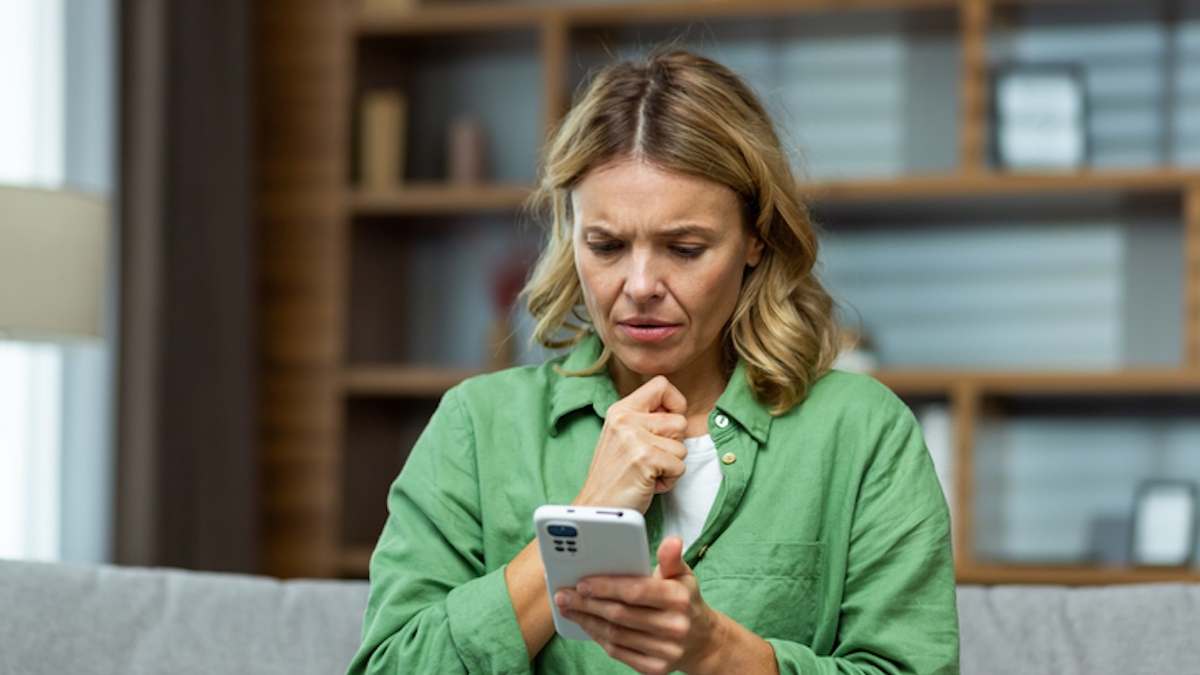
x: 771, y: 588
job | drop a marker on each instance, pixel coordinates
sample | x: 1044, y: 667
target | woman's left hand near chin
x: 657, y: 624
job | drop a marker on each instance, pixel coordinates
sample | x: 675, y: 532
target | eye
x: 687, y: 251
x: 604, y: 247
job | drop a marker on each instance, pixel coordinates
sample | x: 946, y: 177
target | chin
x: 646, y: 365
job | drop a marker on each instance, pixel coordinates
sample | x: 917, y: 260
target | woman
x: 797, y: 519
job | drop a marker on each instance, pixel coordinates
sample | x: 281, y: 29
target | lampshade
x: 53, y: 248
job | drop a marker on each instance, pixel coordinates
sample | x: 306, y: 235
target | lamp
x: 53, y: 248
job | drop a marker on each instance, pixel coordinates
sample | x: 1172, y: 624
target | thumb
x: 670, y: 559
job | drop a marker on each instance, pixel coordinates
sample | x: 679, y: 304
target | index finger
x: 639, y: 591
x: 657, y: 395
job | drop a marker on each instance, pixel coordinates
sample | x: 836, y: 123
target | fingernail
x: 562, y: 599
x: 585, y: 589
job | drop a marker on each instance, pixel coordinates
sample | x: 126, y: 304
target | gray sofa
x: 58, y: 618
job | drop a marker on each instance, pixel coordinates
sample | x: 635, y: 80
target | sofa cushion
x: 1114, y: 630
x: 59, y: 618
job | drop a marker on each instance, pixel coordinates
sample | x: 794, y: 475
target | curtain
x: 187, y: 450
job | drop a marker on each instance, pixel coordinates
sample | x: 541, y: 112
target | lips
x: 648, y: 330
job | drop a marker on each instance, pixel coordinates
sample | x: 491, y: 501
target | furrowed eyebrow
x: 688, y: 230
x: 673, y: 233
x: 598, y: 230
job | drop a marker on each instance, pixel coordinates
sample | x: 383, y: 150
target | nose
x: 644, y: 282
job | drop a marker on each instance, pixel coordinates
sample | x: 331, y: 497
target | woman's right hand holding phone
x: 640, y: 452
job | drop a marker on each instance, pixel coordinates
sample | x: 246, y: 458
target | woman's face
x: 661, y: 257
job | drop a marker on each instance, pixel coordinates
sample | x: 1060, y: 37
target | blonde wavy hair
x: 686, y: 113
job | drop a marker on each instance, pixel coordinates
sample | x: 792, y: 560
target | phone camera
x: 562, y: 531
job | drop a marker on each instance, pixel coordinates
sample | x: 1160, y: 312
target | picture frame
x: 1164, y: 524
x: 1039, y: 117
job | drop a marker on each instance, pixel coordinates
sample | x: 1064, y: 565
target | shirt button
x: 703, y: 550
x: 722, y: 422
x: 729, y: 458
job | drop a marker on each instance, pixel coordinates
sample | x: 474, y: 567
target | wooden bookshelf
x: 435, y: 199
x: 354, y: 561
x: 1131, y: 382
x: 402, y: 381
x: 314, y: 391
x: 1071, y: 575
x: 993, y: 183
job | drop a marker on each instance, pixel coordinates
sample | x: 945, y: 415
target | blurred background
x: 311, y: 226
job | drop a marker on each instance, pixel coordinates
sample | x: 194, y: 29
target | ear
x: 754, y: 251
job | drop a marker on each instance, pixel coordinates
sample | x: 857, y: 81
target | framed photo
x: 1164, y: 523
x: 1039, y: 118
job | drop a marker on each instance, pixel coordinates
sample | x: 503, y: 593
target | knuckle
x: 634, y: 592
x: 680, y: 596
x: 609, y: 648
x: 618, y: 414
x: 617, y: 613
x: 678, y: 629
x: 658, y: 667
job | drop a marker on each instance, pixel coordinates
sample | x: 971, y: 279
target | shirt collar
x: 574, y: 392
x: 739, y: 402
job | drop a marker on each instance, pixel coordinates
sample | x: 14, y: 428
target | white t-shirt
x: 687, y: 503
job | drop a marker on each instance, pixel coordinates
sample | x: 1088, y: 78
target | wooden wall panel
x: 302, y: 52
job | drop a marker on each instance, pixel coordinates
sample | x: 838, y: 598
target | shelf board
x: 438, y: 199
x: 354, y: 561
x: 623, y: 14
x: 402, y: 381
x: 429, y: 381
x: 451, y: 17
x: 444, y: 199
x: 990, y: 184
x: 987, y: 574
x: 914, y: 382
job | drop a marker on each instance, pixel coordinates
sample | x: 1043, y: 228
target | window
x: 56, y: 122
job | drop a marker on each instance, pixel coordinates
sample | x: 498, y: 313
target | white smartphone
x: 582, y: 541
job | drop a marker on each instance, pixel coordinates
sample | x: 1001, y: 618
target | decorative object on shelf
x: 1108, y: 540
x: 53, y: 252
x: 1040, y: 118
x: 466, y: 159
x: 1164, y: 523
x: 381, y: 137
x: 507, y: 281
x: 856, y: 355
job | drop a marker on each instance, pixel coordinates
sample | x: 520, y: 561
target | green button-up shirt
x: 829, y: 536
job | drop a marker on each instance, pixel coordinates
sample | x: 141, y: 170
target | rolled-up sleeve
x: 434, y: 605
